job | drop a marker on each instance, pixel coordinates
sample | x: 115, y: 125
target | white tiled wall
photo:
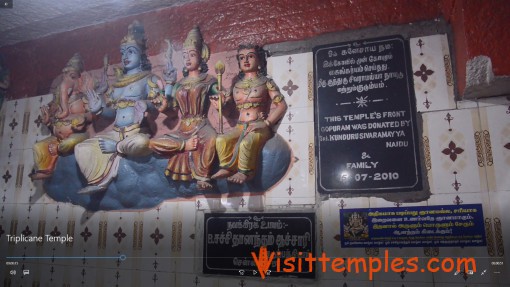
x: 467, y: 161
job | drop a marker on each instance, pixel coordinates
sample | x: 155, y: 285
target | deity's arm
x: 278, y: 100
x: 227, y: 101
x: 98, y: 105
x: 156, y: 94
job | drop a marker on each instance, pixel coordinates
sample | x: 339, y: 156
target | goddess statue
x: 66, y: 116
x: 191, y: 148
x: 136, y: 92
x: 254, y: 94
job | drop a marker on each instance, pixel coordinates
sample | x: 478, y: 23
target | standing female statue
x: 191, y: 147
x: 136, y: 92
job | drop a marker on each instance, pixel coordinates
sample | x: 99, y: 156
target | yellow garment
x: 236, y: 149
x: 100, y: 168
x: 46, y: 160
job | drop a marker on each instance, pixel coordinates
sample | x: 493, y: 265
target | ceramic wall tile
x: 293, y: 74
x: 153, y: 278
x: 241, y: 202
x: 403, y: 253
x: 241, y: 282
x: 479, y: 253
x: 185, y: 280
x: 36, y: 130
x: 449, y: 284
x: 118, y: 277
x: 11, y: 176
x: 495, y: 140
x: 346, y: 283
x: 330, y: 239
x: 467, y: 104
x: 15, y: 125
x: 87, y: 232
x: 298, y: 185
x: 27, y: 191
x: 432, y: 73
x: 403, y: 283
x: 298, y: 115
x: 80, y: 276
x: 456, y: 161
x: 58, y: 223
x: 185, y: 245
x: 155, y: 237
x: 500, y: 225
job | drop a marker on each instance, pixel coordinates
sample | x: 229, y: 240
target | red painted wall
x: 478, y: 26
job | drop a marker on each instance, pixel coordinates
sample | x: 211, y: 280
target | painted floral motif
x: 55, y: 232
x: 86, y: 234
x: 452, y: 151
x: 27, y: 231
x: 290, y: 87
x: 156, y: 236
x: 119, y: 235
x: 423, y: 73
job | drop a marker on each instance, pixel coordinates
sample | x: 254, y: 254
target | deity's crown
x: 136, y: 36
x: 195, y: 40
x: 75, y: 63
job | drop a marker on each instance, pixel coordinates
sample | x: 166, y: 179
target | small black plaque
x: 365, y: 119
x: 231, y: 238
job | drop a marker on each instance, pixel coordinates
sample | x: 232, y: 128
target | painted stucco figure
x: 66, y: 116
x: 254, y: 94
x: 191, y: 148
x: 136, y: 92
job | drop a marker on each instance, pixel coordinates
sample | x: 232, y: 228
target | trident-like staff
x: 220, y: 69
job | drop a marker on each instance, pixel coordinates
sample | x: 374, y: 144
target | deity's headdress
x: 136, y: 36
x: 195, y: 40
x: 75, y: 63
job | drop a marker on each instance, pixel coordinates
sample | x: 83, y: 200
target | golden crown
x: 75, y: 63
x: 135, y: 35
x: 195, y: 40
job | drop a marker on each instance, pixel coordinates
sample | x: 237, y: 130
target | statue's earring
x: 200, y: 69
x: 185, y: 70
x: 259, y: 67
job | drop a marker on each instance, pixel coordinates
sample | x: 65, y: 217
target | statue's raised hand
x: 102, y: 87
x: 170, y: 74
x: 95, y: 101
x: 45, y: 113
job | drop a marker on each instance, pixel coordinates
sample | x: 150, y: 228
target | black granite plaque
x: 365, y: 119
x: 229, y: 240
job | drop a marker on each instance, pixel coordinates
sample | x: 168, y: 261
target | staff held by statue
x: 220, y: 69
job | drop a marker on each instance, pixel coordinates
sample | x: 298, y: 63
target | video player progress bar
x: 120, y: 257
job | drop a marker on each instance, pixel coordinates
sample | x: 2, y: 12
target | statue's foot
x: 91, y: 189
x: 239, y: 178
x: 39, y: 175
x: 191, y: 143
x: 107, y: 145
x: 222, y: 173
x: 204, y: 185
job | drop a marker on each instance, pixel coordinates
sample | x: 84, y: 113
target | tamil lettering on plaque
x: 365, y: 119
x: 231, y: 238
